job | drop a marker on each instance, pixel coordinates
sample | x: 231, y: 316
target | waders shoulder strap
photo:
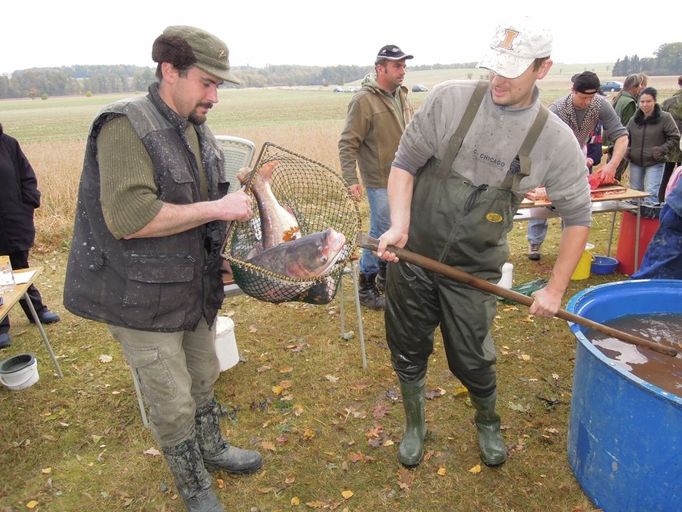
x: 512, y: 179
x: 464, y: 124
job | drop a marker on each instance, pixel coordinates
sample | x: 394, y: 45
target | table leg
x: 613, y: 225
x: 358, y: 311
x: 637, y: 226
x: 36, y: 319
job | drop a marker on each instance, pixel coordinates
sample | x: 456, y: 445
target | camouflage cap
x: 210, y: 54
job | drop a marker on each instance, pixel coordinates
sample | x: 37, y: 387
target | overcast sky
x: 43, y: 33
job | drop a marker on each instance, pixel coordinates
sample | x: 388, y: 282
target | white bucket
x: 506, y: 279
x: 225, y: 343
x: 19, y: 372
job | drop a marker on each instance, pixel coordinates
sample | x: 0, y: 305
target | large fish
x: 277, y: 224
x: 306, y: 257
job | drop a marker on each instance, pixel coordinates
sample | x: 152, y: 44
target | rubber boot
x: 369, y: 295
x: 215, y: 450
x: 411, y: 449
x: 490, y: 441
x: 191, y: 478
x: 380, y: 282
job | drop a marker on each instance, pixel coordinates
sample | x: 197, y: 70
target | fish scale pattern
x: 318, y: 197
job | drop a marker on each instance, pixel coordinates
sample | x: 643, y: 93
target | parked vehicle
x: 419, y: 88
x: 611, y: 86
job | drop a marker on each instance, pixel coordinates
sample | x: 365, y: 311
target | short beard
x: 199, y: 119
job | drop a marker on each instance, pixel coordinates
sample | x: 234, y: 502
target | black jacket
x: 19, y: 196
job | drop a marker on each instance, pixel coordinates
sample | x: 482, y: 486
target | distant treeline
x: 666, y: 61
x: 87, y: 80
x: 77, y: 80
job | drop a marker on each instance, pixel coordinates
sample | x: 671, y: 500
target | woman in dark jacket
x: 653, y: 134
x: 19, y: 196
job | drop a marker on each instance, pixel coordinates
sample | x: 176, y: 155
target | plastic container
x: 624, y: 433
x: 19, y: 372
x: 603, y: 265
x: 626, y: 241
x: 226, y: 343
x: 582, y: 269
x: 506, y: 281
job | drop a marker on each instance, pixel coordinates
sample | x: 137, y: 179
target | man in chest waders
x: 460, y: 173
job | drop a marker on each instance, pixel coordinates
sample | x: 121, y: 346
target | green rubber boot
x: 411, y: 449
x: 490, y: 441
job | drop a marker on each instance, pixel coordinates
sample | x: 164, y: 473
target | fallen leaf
x: 525, y: 357
x: 266, y: 490
x: 46, y: 471
x: 267, y: 445
x: 476, y: 469
x: 434, y: 393
x: 286, y: 369
x: 263, y: 368
x: 95, y: 438
x: 331, y: 378
x: 519, y: 407
x: 460, y: 390
x: 153, y: 452
x: 298, y: 410
x: 105, y: 358
x: 348, y: 494
x: 220, y: 483
x: 295, y: 501
x: 286, y: 384
x: 308, y: 434
x: 380, y: 410
x: 347, y: 336
x: 277, y: 390
x: 289, y: 480
x: 405, y: 478
x: 441, y: 471
x: 252, y: 328
x: 388, y: 442
x: 32, y: 504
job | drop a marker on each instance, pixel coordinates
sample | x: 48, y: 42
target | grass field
x: 324, y: 425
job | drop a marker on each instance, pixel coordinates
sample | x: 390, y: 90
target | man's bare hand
x: 546, y: 303
x: 355, y: 191
x: 236, y: 206
x: 391, y: 237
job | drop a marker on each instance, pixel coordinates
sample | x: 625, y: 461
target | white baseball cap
x: 515, y: 46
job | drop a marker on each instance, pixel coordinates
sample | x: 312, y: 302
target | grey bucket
x: 19, y: 372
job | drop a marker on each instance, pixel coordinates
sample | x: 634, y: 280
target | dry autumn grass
x: 327, y: 428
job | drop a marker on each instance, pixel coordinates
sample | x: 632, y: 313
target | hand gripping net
x: 319, y: 199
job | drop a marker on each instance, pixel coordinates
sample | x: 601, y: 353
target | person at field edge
x: 146, y: 252
x: 625, y: 105
x: 376, y: 118
x: 19, y: 197
x: 460, y: 173
x: 672, y: 105
x: 653, y: 135
x: 581, y: 110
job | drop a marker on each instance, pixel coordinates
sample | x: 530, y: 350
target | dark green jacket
x: 160, y: 284
x: 652, y: 138
x: 673, y: 105
x: 371, y: 135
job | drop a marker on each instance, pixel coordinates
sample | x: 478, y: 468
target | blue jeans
x: 647, y: 179
x: 379, y: 222
x: 537, y: 231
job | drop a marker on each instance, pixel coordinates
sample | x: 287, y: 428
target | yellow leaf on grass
x: 442, y: 471
x: 460, y: 390
x: 32, y: 504
x: 295, y: 501
x: 347, y: 494
x: 525, y: 357
x: 220, y: 483
x: 46, y: 471
x: 277, y: 390
x: 298, y: 410
x: 286, y: 369
x: 308, y: 434
x: 388, y: 442
x: 476, y: 469
x: 267, y: 445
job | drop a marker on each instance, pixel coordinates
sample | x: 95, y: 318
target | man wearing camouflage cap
x: 145, y: 257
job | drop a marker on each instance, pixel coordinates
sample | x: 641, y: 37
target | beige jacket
x: 372, y: 133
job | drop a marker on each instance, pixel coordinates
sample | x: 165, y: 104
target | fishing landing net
x: 319, y: 199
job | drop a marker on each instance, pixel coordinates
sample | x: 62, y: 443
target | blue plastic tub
x: 603, y: 265
x: 625, y: 434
